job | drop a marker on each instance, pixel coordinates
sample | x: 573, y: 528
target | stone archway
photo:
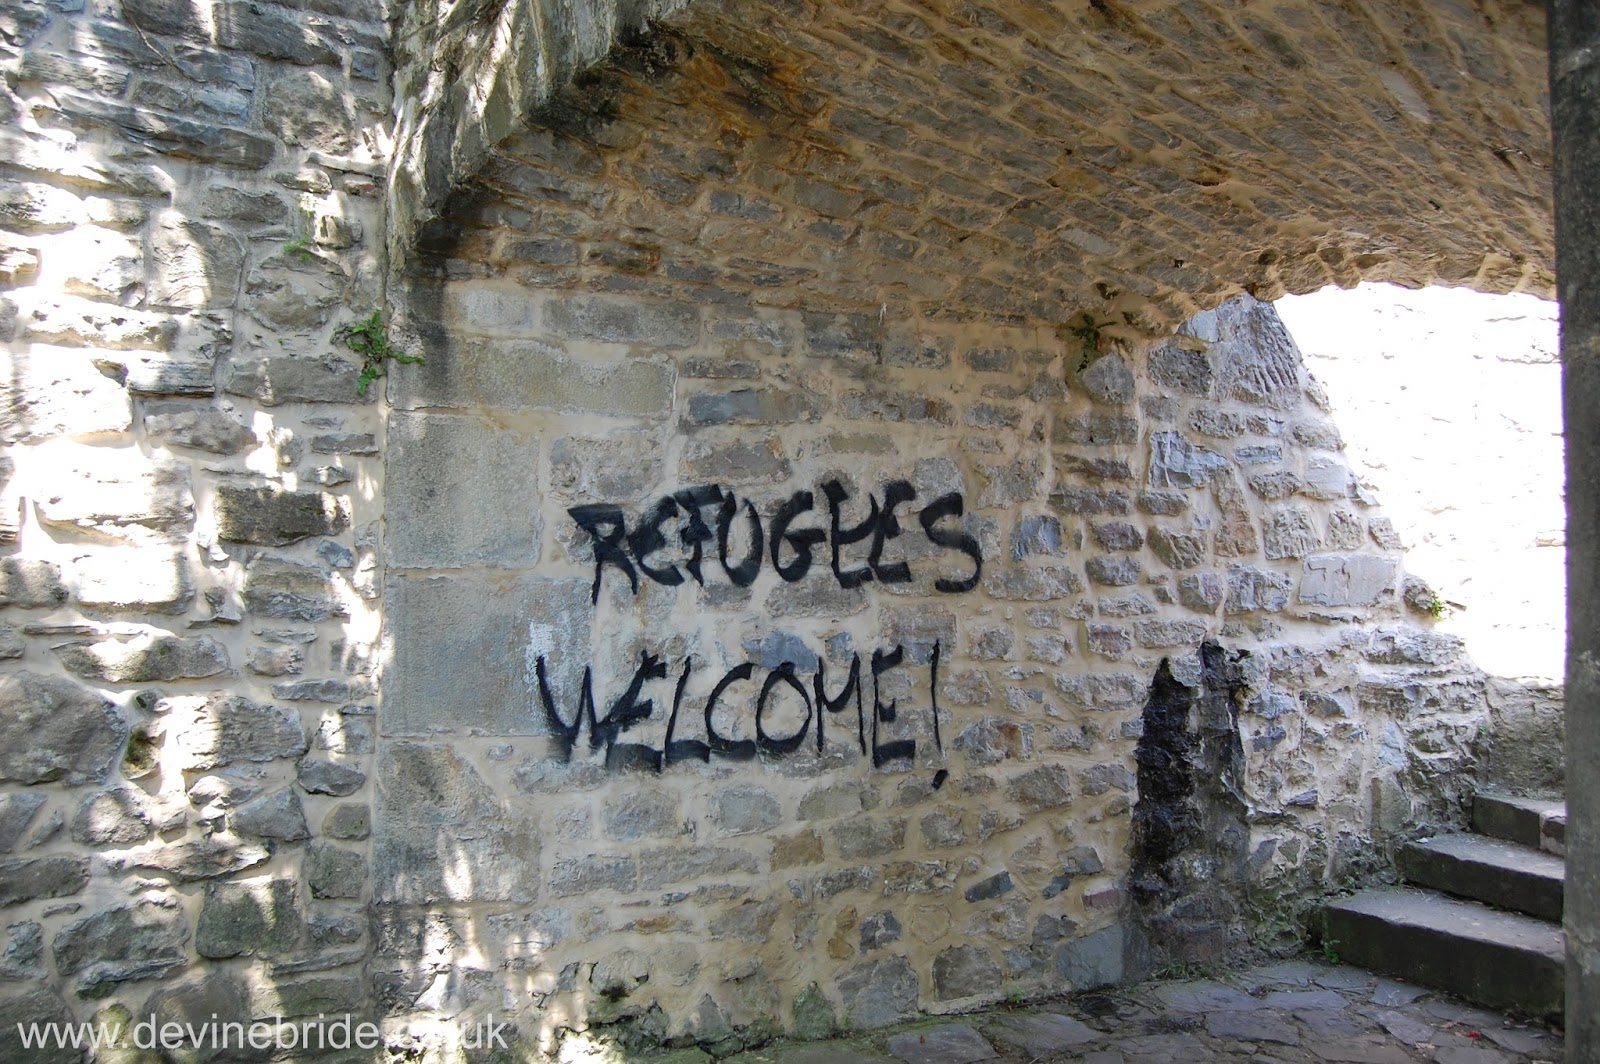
x: 753, y: 247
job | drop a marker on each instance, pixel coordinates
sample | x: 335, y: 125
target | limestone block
x: 863, y: 837
x: 518, y: 374
x: 46, y: 396
x: 620, y: 321
x: 52, y: 729
x: 1180, y: 550
x: 1094, y: 960
x: 318, y: 995
x: 1117, y: 535
x: 1276, y: 485
x: 271, y: 35
x: 203, y: 428
x: 141, y: 940
x: 1200, y: 592
x: 194, y: 264
x: 249, y: 919
x: 1328, y: 479
x: 105, y: 265
x: 26, y: 878
x: 1046, y: 787
x: 273, y: 380
x: 1236, y: 532
x: 640, y: 815
x: 1415, y: 646
x: 69, y: 322
x: 16, y: 813
x: 1290, y: 533
x: 618, y: 467
x: 461, y: 492
x: 36, y: 1005
x: 1346, y: 579
x: 477, y: 308
x: 30, y: 582
x: 441, y: 834
x: 334, y: 872
x: 965, y: 971
x: 1257, y: 361
x: 1177, y: 463
x: 213, y: 997
x: 685, y: 864
x: 146, y: 658
x: 23, y: 958
x: 290, y: 292
x: 1012, y: 483
x: 745, y: 811
x: 753, y: 406
x: 1179, y: 366
x: 208, y: 857
x: 1169, y: 633
x: 122, y: 495
x: 504, y: 625
x: 275, y: 660
x: 1108, y: 380
x: 306, y: 108
x: 133, y: 580
x: 1251, y: 589
x: 278, y: 815
x: 1113, y: 570
x: 327, y: 690
x: 273, y: 517
x: 348, y: 820
x: 242, y: 205
x: 330, y: 777
x: 277, y: 587
x: 217, y: 730
x: 879, y: 994
x: 119, y: 816
x: 577, y: 876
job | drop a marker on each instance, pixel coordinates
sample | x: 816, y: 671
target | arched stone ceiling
x: 1033, y: 160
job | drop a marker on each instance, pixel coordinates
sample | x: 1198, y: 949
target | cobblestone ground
x: 1289, y: 1012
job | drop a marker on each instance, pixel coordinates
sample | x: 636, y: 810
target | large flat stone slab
x: 954, y: 1043
x: 1499, y: 959
x: 1042, y: 1035
x: 1535, y: 822
x: 1499, y: 873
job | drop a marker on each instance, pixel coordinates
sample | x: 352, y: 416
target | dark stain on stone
x: 1190, y: 840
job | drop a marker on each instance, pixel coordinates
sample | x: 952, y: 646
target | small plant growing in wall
x: 1090, y: 340
x: 1426, y: 601
x: 369, y: 338
x: 300, y: 243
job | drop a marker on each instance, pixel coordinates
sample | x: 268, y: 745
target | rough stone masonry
x: 752, y: 615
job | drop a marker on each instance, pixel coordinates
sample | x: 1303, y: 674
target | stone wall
x: 191, y: 206
x: 817, y: 647
x: 763, y: 607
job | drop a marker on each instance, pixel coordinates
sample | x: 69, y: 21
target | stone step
x: 1505, y: 961
x: 1529, y: 821
x: 1499, y: 873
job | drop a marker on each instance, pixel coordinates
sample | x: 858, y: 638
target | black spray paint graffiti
x: 790, y: 548
x: 629, y: 710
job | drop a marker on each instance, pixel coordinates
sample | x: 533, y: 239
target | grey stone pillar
x: 1575, y: 119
